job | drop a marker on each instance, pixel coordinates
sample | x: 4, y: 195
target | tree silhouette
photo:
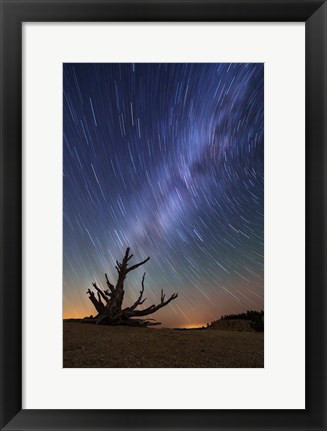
x: 108, y: 303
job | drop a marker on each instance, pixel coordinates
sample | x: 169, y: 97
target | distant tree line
x: 256, y: 319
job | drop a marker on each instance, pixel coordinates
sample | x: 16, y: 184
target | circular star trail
x: 167, y: 159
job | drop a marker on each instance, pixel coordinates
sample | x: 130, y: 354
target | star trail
x: 167, y: 159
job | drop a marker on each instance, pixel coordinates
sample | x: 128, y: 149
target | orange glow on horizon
x: 193, y: 325
x: 179, y: 315
x: 78, y: 313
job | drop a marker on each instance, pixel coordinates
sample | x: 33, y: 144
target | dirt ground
x: 91, y: 346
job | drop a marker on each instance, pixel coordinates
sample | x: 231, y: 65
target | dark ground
x: 90, y: 346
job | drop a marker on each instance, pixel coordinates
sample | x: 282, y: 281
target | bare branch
x: 100, y: 292
x: 152, y: 308
x: 126, y: 258
x: 162, y: 297
x: 111, y: 286
x: 137, y: 265
x: 139, y: 300
x: 122, y: 267
x: 98, y: 306
x: 99, y: 299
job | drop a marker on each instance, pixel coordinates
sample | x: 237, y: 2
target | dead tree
x: 108, y: 303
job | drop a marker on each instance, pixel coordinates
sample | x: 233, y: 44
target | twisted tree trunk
x: 109, y: 302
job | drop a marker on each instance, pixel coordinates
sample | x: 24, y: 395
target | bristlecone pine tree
x: 108, y: 303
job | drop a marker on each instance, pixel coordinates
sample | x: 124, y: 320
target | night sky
x: 167, y: 159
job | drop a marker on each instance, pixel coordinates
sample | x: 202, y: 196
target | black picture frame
x: 13, y: 14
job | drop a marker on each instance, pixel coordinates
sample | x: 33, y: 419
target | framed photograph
x: 156, y: 169
x: 163, y: 215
